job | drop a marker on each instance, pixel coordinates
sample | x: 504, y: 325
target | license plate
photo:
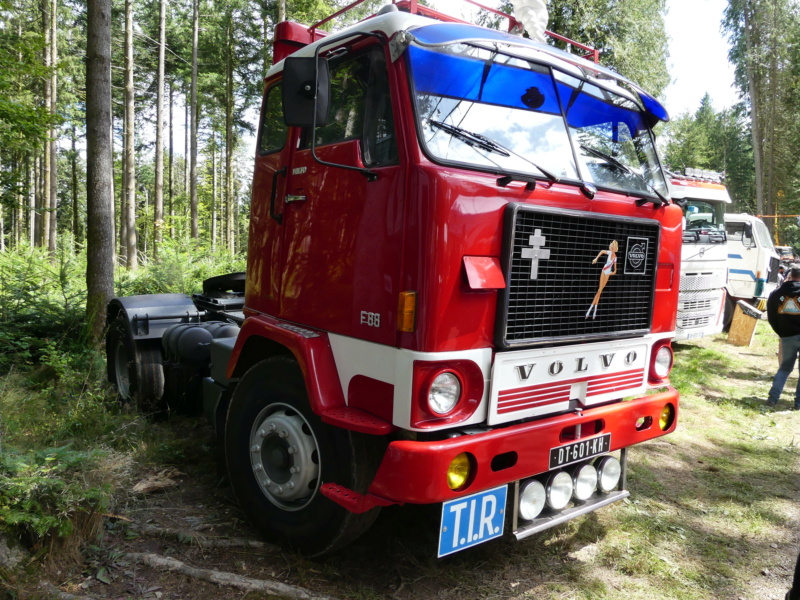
x: 577, y: 451
x: 472, y: 520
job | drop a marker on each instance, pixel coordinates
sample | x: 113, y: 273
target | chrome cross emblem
x: 537, y: 252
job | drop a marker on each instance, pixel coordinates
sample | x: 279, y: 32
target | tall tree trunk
x: 99, y: 168
x: 44, y: 204
x: 77, y: 234
x: 130, y: 159
x: 171, y: 184
x: 158, y: 213
x: 193, y: 168
x: 22, y: 200
x: 53, y: 202
x: 39, y: 175
x: 2, y: 229
x: 122, y: 217
x: 214, y: 202
x: 755, y: 108
x: 31, y: 168
x: 186, y: 152
x: 229, y: 141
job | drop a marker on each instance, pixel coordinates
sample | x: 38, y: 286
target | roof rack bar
x: 414, y: 7
x: 334, y: 15
x: 594, y: 53
x: 513, y: 23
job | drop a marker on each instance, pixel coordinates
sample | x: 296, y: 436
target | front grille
x: 693, y: 321
x: 695, y: 305
x: 551, y: 280
x: 702, y: 281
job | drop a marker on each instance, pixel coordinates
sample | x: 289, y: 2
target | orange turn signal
x: 407, y: 312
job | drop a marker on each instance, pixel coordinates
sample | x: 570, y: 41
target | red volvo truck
x: 461, y: 288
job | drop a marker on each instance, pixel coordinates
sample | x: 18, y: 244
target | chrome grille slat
x: 553, y: 306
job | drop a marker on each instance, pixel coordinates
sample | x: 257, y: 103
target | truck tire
x: 135, y: 369
x: 278, y: 453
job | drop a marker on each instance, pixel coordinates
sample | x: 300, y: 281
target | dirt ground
x: 396, y: 560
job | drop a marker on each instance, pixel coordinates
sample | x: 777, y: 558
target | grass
x: 67, y: 446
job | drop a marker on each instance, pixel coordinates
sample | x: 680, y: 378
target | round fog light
x: 458, y: 471
x: 667, y: 417
x: 559, y: 490
x: 608, y: 473
x: 584, y: 480
x: 532, y: 498
x: 444, y: 393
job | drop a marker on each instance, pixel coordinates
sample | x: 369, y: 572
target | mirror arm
x: 370, y: 175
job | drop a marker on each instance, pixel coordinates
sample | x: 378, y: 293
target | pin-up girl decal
x: 609, y: 269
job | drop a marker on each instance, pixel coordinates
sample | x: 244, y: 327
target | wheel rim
x: 284, y: 457
x: 121, y: 370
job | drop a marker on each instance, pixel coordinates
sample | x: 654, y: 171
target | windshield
x: 763, y: 235
x: 487, y: 109
x: 704, y: 216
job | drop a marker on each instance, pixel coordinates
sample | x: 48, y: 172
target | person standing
x: 783, y: 312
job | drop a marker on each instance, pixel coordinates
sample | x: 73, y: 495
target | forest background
x: 186, y: 84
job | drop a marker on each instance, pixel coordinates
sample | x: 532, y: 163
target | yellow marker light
x: 458, y: 471
x: 407, y: 311
x: 667, y: 417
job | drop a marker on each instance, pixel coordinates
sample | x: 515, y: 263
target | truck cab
x: 704, y: 255
x: 752, y: 259
x: 461, y: 288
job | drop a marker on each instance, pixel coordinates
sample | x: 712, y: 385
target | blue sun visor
x: 454, y: 75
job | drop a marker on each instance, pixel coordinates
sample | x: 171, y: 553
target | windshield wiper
x: 470, y: 138
x: 628, y: 171
x: 476, y: 140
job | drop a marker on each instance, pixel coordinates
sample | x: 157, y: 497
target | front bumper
x: 415, y: 471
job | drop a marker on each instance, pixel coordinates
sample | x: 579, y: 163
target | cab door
x: 265, y: 246
x: 343, y: 229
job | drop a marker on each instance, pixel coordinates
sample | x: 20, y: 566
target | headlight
x: 532, y: 498
x: 584, y: 480
x: 444, y: 393
x: 608, y: 473
x: 662, y: 364
x: 559, y: 490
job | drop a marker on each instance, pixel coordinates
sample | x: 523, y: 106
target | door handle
x: 294, y: 198
x: 278, y: 218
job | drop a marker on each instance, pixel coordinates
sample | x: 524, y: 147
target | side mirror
x: 299, y: 89
x: 748, y: 230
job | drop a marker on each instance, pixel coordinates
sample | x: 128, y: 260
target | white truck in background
x: 704, y: 255
x: 752, y: 261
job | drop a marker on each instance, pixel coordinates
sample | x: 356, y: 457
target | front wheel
x: 278, y: 453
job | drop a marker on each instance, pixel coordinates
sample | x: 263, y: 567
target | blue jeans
x: 790, y: 346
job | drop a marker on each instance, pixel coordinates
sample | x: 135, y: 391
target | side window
x: 738, y: 233
x: 361, y: 108
x: 272, y: 135
x: 735, y: 231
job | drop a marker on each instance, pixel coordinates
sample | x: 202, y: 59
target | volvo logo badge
x: 636, y: 256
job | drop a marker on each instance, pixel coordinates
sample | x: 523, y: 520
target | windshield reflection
x: 546, y: 119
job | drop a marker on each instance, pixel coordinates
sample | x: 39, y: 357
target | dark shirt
x: 783, y: 309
